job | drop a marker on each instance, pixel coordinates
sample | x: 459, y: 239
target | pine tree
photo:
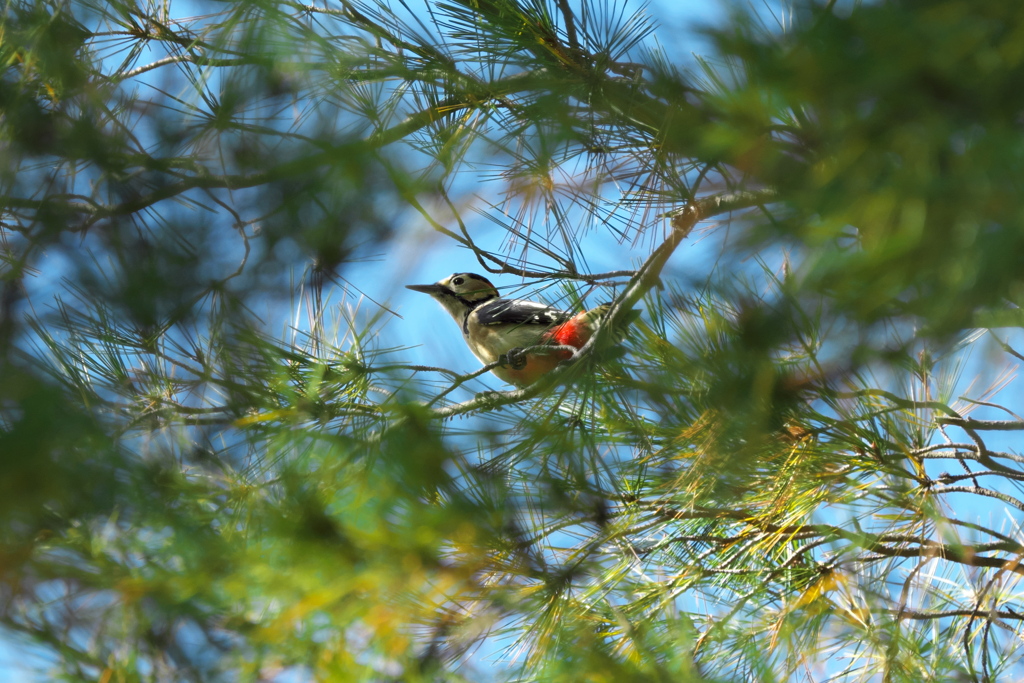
x: 221, y: 462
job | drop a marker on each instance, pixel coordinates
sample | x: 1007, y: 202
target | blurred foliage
x: 750, y: 487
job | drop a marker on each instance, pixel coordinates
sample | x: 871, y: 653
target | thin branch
x: 983, y: 425
x: 945, y: 614
x: 570, y: 24
x: 1009, y: 500
x: 958, y: 455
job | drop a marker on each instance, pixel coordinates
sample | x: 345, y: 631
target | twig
x: 989, y: 493
x: 570, y: 24
x: 983, y: 425
x: 943, y: 614
x: 951, y: 455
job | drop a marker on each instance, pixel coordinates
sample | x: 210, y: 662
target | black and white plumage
x: 518, y: 312
x: 492, y: 326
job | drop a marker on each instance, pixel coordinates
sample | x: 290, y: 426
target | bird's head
x: 459, y: 293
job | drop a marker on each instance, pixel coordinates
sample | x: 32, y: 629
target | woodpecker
x: 493, y: 327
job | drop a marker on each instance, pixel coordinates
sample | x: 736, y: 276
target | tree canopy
x: 222, y: 463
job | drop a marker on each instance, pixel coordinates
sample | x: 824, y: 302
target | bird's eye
x: 457, y: 281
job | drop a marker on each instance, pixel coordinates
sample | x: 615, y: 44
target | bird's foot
x: 515, y: 358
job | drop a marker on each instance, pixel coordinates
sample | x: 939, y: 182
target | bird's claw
x: 515, y: 359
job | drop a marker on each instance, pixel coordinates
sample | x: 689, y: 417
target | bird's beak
x: 426, y: 289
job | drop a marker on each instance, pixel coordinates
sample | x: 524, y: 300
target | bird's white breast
x: 487, y: 342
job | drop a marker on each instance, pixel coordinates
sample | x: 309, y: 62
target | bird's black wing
x: 519, y: 312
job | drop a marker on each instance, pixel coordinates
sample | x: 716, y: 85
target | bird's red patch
x: 574, y: 332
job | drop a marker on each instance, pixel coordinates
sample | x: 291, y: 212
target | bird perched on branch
x: 497, y: 329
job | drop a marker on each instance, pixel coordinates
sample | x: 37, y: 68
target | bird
x: 497, y: 329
